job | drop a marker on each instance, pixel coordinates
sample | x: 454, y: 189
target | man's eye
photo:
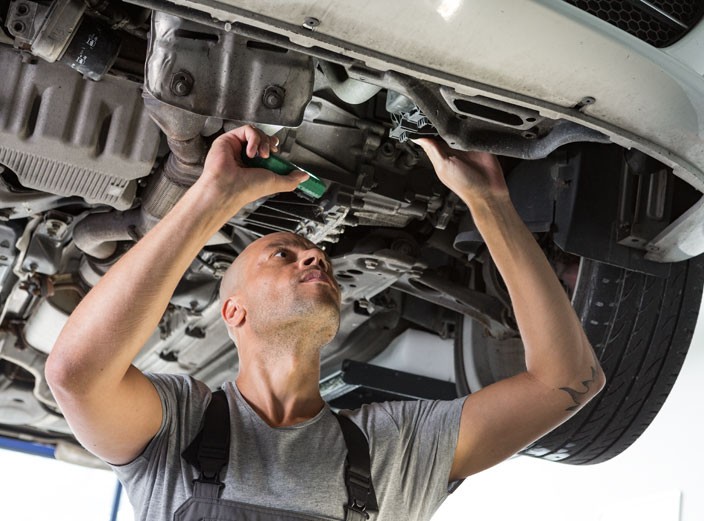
x: 281, y: 253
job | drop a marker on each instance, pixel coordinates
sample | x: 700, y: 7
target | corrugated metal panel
x: 66, y: 135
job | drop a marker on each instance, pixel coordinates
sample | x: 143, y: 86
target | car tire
x: 641, y: 327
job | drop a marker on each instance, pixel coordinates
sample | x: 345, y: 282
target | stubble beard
x: 311, y: 322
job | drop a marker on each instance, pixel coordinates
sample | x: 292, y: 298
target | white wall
x: 659, y: 478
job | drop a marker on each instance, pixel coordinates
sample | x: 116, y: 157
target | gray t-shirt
x: 298, y: 468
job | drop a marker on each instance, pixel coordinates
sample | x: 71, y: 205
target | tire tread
x: 641, y: 338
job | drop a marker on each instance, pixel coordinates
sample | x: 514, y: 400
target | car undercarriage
x: 107, y: 110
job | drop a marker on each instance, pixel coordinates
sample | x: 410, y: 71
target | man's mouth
x: 315, y: 275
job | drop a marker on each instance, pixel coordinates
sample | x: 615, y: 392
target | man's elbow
x: 593, y: 386
x: 587, y: 382
x: 57, y: 372
x: 63, y: 375
x: 596, y: 383
x: 600, y: 381
x: 599, y: 376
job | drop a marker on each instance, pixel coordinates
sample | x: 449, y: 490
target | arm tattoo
x: 576, y: 395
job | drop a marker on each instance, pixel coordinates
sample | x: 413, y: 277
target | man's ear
x: 233, y: 312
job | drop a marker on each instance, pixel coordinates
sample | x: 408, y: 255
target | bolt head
x: 273, y: 97
x: 181, y: 83
x: 387, y: 149
x: 18, y: 28
x: 311, y: 23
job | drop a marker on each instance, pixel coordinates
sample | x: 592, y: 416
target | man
x: 281, y: 305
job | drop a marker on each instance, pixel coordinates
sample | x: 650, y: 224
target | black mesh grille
x: 686, y: 11
x: 643, y: 20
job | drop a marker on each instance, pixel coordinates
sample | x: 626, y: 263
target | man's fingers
x: 231, y: 141
x: 293, y: 179
x: 287, y: 183
x: 264, y: 148
x: 268, y: 144
x: 253, y: 140
x: 274, y: 183
x: 300, y: 175
x: 436, y: 149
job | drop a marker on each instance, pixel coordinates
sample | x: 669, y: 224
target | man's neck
x: 281, y: 385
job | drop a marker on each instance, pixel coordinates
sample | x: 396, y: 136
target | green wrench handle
x: 312, y: 187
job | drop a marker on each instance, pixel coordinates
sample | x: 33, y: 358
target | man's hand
x: 226, y: 176
x: 112, y: 408
x: 471, y: 175
x: 563, y: 373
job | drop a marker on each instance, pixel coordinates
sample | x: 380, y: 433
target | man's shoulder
x: 178, y: 381
x: 180, y: 394
x: 402, y: 414
x: 380, y: 415
x: 396, y: 407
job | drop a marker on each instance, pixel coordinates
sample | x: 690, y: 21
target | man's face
x: 285, y: 280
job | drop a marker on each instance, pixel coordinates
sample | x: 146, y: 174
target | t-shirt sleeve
x: 183, y: 402
x: 412, y: 446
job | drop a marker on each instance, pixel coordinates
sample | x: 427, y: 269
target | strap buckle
x: 210, y: 479
x: 208, y: 488
x: 360, y: 508
x: 360, y: 480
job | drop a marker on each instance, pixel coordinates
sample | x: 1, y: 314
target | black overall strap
x: 361, y: 498
x: 209, y: 453
x: 210, y: 450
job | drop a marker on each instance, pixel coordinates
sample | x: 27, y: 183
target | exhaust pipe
x: 98, y: 234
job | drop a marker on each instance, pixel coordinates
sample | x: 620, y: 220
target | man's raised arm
x: 112, y: 408
x: 563, y: 372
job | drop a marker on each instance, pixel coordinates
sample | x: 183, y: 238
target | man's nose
x: 314, y: 257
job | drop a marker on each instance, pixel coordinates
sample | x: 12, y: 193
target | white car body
x: 544, y: 55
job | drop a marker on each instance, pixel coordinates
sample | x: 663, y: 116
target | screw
x: 387, y: 149
x: 55, y: 228
x: 181, y: 83
x: 18, y: 27
x: 371, y: 264
x: 273, y: 97
x: 311, y: 23
x: 22, y: 9
x: 587, y: 100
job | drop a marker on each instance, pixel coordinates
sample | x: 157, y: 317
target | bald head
x: 235, y: 274
x: 231, y: 279
x: 282, y: 286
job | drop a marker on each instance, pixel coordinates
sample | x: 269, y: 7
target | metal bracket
x: 30, y: 360
x: 218, y: 73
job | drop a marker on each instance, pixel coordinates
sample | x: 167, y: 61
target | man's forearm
x: 111, y: 324
x: 556, y: 348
